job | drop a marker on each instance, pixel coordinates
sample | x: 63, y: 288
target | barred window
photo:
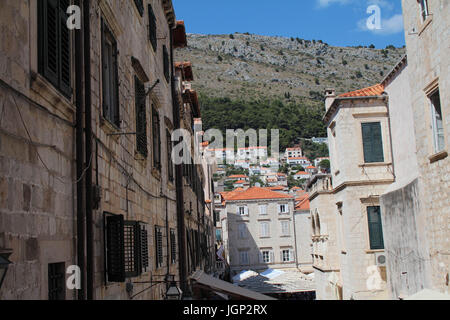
x: 158, y: 247
x: 173, y: 246
x: 54, y: 49
x: 56, y: 281
x: 156, y: 129
x: 141, y: 117
x: 169, y: 156
x: 152, y: 27
x: 166, y: 63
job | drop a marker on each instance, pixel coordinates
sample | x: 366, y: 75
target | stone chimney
x: 330, y: 95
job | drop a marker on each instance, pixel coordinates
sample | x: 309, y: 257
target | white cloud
x: 389, y: 26
x: 326, y: 3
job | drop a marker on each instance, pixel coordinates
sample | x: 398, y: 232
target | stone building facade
x: 118, y: 89
x: 418, y: 202
x: 260, y: 230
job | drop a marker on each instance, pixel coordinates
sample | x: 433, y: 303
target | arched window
x: 317, y: 223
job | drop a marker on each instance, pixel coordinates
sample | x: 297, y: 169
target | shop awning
x: 208, y: 282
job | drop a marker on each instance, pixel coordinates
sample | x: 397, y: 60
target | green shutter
x: 152, y: 27
x: 64, y: 50
x: 375, y: 228
x: 140, y: 6
x: 49, y: 47
x: 141, y: 117
x: 372, y: 142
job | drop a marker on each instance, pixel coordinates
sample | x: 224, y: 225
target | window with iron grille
x: 152, y: 27
x: 56, y: 281
x: 166, y: 63
x: 158, y: 247
x: 140, y: 6
x: 126, y: 248
x: 169, y: 155
x: 173, y: 246
x: 110, y: 82
x: 131, y: 248
x: 141, y: 117
x: 156, y: 138
x: 54, y: 49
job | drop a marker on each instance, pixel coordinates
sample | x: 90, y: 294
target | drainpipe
x: 179, y: 185
x: 79, y: 156
x: 89, y: 154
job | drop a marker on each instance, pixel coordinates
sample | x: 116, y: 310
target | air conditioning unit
x: 380, y: 259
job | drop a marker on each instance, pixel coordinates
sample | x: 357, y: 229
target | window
x: 140, y: 6
x: 287, y: 255
x: 263, y: 209
x: 424, y: 9
x: 54, y: 50
x: 158, y: 247
x: 156, y: 139
x: 56, y: 281
x: 126, y: 248
x: 266, y: 256
x: 243, y: 255
x: 242, y: 231
x: 285, y: 228
x: 166, y: 63
x: 438, y: 128
x: 109, y: 76
x: 141, y: 117
x: 152, y: 27
x: 372, y: 142
x: 169, y: 155
x: 243, y: 211
x: 173, y: 246
x: 265, y: 229
x: 282, y: 208
x: 375, y: 228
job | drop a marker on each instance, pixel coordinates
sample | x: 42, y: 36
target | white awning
x: 215, y: 284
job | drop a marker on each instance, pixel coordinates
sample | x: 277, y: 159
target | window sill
x: 425, y: 24
x: 109, y: 128
x: 375, y: 164
x: 156, y: 173
x: 374, y: 250
x: 285, y: 236
x: 140, y: 157
x: 438, y: 156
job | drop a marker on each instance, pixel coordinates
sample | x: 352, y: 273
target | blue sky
x: 336, y: 22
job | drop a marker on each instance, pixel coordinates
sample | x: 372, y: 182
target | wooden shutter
x: 169, y: 156
x: 173, y: 245
x: 372, y: 142
x: 48, y: 44
x: 166, y: 63
x: 375, y: 228
x: 156, y: 139
x: 152, y: 27
x: 64, y: 49
x: 115, y: 248
x: 141, y: 117
x: 140, y: 6
x: 158, y: 247
x: 144, y: 247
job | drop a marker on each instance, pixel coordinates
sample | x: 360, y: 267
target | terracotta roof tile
x: 375, y: 90
x: 254, y: 193
x: 303, y: 205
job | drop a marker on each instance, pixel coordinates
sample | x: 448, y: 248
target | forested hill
x: 252, y: 81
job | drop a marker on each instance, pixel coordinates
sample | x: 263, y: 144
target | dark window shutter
x: 372, y: 142
x: 169, y: 155
x: 132, y: 248
x: 375, y: 228
x: 64, y: 49
x: 49, y: 47
x: 158, y: 247
x: 115, y: 248
x: 144, y: 248
x: 140, y: 6
x: 156, y: 139
x: 152, y: 27
x: 173, y: 246
x: 141, y: 117
x: 166, y: 63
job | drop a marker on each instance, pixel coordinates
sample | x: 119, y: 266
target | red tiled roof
x: 275, y: 188
x: 179, y: 35
x: 254, y: 193
x: 375, y: 90
x: 240, y: 181
x: 237, y: 176
x: 303, y: 205
x: 310, y: 167
x: 297, y: 158
x: 300, y: 173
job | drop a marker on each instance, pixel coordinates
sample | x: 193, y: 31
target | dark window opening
x: 54, y: 49
x: 140, y: 6
x: 173, y: 246
x: 156, y: 139
x: 56, y: 281
x: 152, y: 27
x: 169, y: 156
x: 375, y: 228
x: 158, y: 247
x: 166, y: 64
